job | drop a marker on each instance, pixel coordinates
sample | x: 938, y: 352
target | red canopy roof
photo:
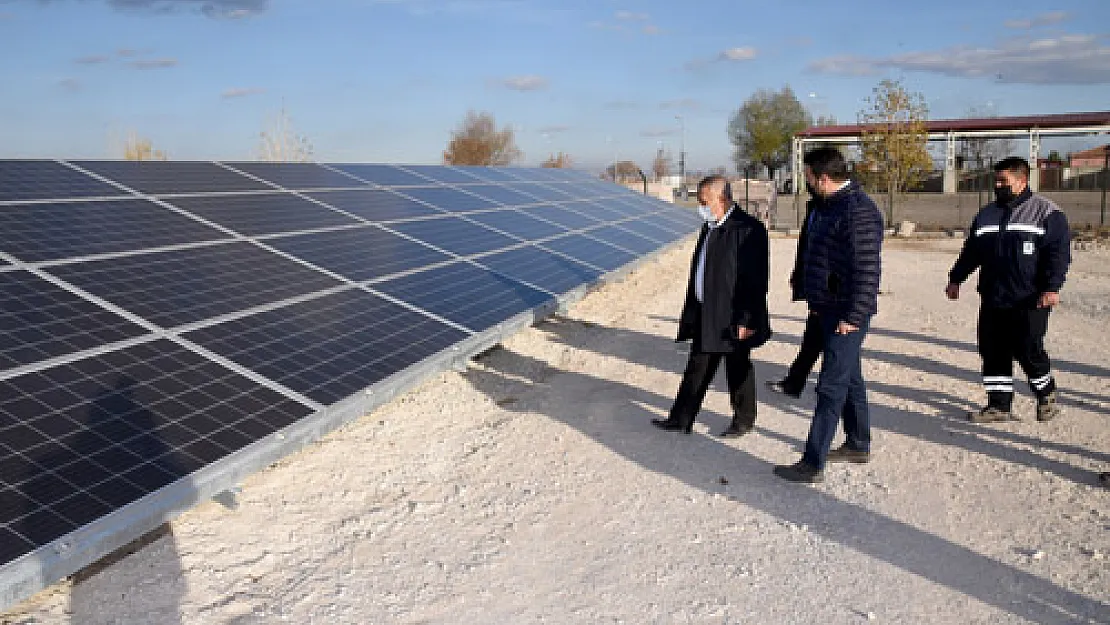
x: 1028, y: 122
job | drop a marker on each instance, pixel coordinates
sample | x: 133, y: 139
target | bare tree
x: 280, y: 142
x: 477, y: 141
x: 661, y: 166
x: 762, y: 131
x: 137, y: 148
x: 557, y: 161
x: 625, y: 171
x: 894, y: 143
x: 981, y: 151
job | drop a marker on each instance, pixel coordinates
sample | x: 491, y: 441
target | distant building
x: 1094, y: 158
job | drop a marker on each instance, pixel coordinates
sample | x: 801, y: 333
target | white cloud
x: 241, y: 92
x: 1064, y: 60
x: 162, y: 63
x: 1044, y: 19
x: 525, y: 83
x: 219, y: 9
x: 730, y: 55
x: 629, y: 16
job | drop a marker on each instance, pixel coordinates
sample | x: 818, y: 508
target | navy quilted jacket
x: 843, y: 256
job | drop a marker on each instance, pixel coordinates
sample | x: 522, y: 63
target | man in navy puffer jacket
x: 842, y: 271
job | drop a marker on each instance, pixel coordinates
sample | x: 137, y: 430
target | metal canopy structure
x: 167, y: 328
x: 1031, y: 127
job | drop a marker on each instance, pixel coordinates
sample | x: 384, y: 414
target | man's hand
x: 844, y: 327
x: 743, y: 333
x: 953, y: 291
x: 1048, y: 299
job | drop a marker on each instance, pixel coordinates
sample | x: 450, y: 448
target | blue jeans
x: 840, y: 393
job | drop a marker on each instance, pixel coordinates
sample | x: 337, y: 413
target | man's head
x: 826, y: 171
x: 1011, y: 178
x: 715, y: 193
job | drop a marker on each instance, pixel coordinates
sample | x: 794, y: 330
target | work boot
x: 990, y: 414
x: 1047, y: 408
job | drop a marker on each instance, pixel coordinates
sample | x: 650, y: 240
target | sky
x: 390, y: 80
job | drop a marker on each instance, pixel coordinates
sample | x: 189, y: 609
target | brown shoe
x: 990, y: 414
x: 844, y: 453
x: 1047, y: 408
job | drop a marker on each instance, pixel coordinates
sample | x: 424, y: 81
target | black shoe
x: 844, y: 453
x: 673, y: 425
x: 780, y: 386
x: 800, y: 472
x: 735, y: 430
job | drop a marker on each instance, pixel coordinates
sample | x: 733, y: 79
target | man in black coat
x: 843, y: 265
x: 810, y: 351
x: 725, y: 314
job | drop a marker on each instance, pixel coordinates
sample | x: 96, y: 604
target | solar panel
x: 455, y: 235
x: 297, y: 176
x: 85, y: 438
x: 142, y: 342
x: 374, y: 205
x: 385, y: 175
x: 260, y: 214
x: 330, y: 347
x: 183, y: 286
x: 39, y: 321
x: 449, y: 199
x: 466, y: 294
x: 170, y: 177
x: 518, y: 224
x: 590, y: 251
x: 39, y: 232
x: 359, y: 253
x: 540, y: 268
x: 24, y: 180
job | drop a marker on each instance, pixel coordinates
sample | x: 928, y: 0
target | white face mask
x: 707, y: 214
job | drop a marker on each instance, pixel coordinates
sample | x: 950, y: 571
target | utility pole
x: 682, y: 154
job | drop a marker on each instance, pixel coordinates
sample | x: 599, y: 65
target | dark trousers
x: 841, y: 393
x: 700, y: 369
x: 808, y: 353
x: 1008, y: 334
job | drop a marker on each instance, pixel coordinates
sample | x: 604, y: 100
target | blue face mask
x: 707, y: 214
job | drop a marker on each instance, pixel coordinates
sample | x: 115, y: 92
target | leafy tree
x: 477, y: 141
x: 137, y: 148
x: 557, y: 161
x: 762, y: 130
x: 280, y: 142
x: 894, y: 151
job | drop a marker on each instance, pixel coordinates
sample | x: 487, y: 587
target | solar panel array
x: 159, y: 317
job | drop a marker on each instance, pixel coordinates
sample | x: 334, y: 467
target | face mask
x: 707, y: 214
x: 1004, y: 194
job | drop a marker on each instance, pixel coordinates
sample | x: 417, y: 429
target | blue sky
x: 388, y: 80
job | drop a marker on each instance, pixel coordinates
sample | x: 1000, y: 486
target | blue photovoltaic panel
x: 169, y: 177
x: 545, y: 193
x: 39, y: 321
x: 80, y: 440
x: 684, y: 219
x: 540, y: 268
x: 492, y: 174
x: 449, y: 199
x: 662, y: 220
x: 543, y: 174
x: 183, y: 286
x: 48, y: 180
x: 39, y: 232
x: 565, y: 217
x: 590, y: 251
x: 625, y: 239
x: 385, y: 175
x: 359, y: 254
x: 455, y: 235
x: 297, y: 176
x: 645, y: 229
x: 597, y: 210
x: 504, y: 195
x: 518, y: 224
x: 378, y: 205
x: 260, y: 214
x: 468, y: 295
x: 447, y: 175
x: 330, y: 347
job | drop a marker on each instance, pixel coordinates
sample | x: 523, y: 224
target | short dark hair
x: 828, y: 161
x: 713, y: 180
x: 1015, y: 165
